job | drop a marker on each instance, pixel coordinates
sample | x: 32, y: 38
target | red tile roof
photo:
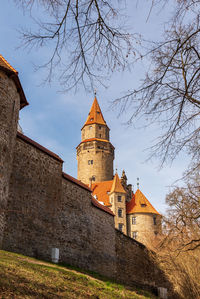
x: 140, y: 204
x: 95, y: 115
x: 75, y: 181
x: 101, y: 189
x: 117, y: 186
x: 38, y: 146
x: 100, y: 206
x: 13, y: 74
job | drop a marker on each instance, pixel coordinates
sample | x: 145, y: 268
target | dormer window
x: 143, y: 205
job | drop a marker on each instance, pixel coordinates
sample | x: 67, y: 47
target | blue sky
x: 54, y: 119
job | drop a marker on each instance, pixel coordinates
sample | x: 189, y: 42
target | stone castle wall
x: 48, y: 209
x: 135, y: 265
x: 9, y: 109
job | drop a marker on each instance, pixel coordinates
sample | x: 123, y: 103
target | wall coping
x: 132, y: 240
x: 101, y: 207
x: 38, y: 146
x: 75, y: 181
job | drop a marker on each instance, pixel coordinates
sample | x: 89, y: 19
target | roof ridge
x: 8, y: 65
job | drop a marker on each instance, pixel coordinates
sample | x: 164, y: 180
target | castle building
x: 43, y: 208
x: 134, y: 214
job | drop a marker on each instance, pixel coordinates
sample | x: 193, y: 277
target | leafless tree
x: 170, y: 91
x: 183, y: 220
x: 85, y: 38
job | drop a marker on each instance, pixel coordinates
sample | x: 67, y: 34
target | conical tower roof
x: 117, y: 186
x: 95, y: 115
x: 140, y: 204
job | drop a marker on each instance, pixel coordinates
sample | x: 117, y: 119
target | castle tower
x: 117, y: 198
x: 143, y: 221
x: 12, y: 99
x: 95, y: 153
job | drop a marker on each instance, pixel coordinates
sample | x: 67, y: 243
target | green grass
x: 24, y: 277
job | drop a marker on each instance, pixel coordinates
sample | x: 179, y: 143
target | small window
x: 98, y: 112
x: 90, y: 162
x: 90, y: 127
x: 143, y: 205
x: 119, y: 198
x: 154, y: 220
x: 135, y: 235
x: 155, y: 233
x: 99, y: 127
x: 99, y: 135
x: 120, y: 226
x: 120, y: 213
x: 91, y: 119
x: 134, y: 220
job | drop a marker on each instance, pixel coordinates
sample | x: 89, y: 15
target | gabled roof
x: 95, y: 115
x: 101, y: 191
x: 12, y: 73
x: 117, y: 186
x: 140, y: 204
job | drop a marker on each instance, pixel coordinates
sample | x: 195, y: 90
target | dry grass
x: 24, y: 277
x: 182, y: 268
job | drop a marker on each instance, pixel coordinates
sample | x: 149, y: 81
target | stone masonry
x: 41, y: 207
x: 9, y: 109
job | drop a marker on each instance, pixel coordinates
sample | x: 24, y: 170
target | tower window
x: 154, y: 220
x: 134, y: 220
x: 120, y: 227
x: 120, y: 213
x: 119, y: 198
x: 90, y: 162
x: 135, y: 235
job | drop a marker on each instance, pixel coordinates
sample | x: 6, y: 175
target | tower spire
x: 95, y: 115
x: 138, y: 183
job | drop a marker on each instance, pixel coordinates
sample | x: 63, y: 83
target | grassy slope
x: 24, y: 277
